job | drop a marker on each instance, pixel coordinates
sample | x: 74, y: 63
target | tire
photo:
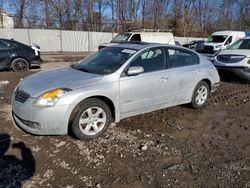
x: 20, y: 65
x: 86, y: 123
x: 200, y: 95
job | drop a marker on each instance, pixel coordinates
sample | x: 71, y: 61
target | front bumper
x: 41, y: 120
x: 242, y: 72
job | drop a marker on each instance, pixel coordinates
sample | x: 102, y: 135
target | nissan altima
x: 112, y: 84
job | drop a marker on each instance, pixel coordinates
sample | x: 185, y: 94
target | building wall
x: 6, y: 21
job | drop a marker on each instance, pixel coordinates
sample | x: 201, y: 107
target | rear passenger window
x: 178, y: 58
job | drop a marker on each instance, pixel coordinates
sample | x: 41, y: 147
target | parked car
x: 221, y: 40
x: 196, y: 45
x: 145, y: 35
x: 18, y: 56
x: 235, y: 59
x: 109, y: 85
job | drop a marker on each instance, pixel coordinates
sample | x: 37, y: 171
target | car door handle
x: 163, y: 79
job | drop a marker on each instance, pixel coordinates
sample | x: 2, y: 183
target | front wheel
x: 200, y: 95
x: 91, y: 120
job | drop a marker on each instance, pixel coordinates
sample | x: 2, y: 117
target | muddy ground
x: 175, y: 147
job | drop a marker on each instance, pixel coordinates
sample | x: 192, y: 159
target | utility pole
x: 1, y: 17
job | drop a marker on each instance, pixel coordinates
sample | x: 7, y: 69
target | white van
x: 150, y: 36
x: 221, y: 40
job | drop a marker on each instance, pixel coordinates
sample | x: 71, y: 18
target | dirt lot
x: 175, y: 147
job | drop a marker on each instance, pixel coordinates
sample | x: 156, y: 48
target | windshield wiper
x: 78, y: 68
x: 83, y: 69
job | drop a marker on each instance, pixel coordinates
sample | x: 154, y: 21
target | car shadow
x: 14, y: 171
x: 33, y: 68
x: 36, y: 67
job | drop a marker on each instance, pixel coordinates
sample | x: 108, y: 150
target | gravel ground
x: 174, y: 147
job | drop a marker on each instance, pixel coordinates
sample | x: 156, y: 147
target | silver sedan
x: 109, y: 85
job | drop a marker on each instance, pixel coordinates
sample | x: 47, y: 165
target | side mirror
x: 134, y: 71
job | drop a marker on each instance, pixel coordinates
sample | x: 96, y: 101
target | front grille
x: 230, y: 58
x: 21, y: 96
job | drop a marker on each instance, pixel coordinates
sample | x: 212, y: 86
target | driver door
x: 144, y: 92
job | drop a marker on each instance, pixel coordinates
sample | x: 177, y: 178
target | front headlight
x: 50, y: 98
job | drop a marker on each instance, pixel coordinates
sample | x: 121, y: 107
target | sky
x: 6, y: 6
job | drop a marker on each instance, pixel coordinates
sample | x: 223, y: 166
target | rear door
x: 183, y: 74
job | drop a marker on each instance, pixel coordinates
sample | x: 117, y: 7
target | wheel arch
x: 208, y: 82
x: 105, y: 99
x: 16, y: 57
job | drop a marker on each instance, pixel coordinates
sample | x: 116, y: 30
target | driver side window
x: 151, y: 60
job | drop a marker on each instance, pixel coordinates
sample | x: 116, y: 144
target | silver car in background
x: 109, y: 85
x: 235, y: 59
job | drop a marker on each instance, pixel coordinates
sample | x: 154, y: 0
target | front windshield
x: 105, y: 61
x: 217, y: 38
x: 240, y: 44
x: 122, y: 37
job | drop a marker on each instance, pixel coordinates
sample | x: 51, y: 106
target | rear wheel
x: 20, y: 65
x: 200, y: 95
x: 91, y: 120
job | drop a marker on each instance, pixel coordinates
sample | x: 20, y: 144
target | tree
x: 20, y: 12
x: 47, y: 15
x: 185, y: 17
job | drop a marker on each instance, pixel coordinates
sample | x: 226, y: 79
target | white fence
x: 68, y: 41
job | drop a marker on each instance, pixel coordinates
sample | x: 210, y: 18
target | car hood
x: 235, y: 52
x: 44, y: 81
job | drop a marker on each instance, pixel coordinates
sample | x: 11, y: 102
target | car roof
x: 227, y: 32
x: 144, y: 45
x: 141, y: 45
x: 13, y: 41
